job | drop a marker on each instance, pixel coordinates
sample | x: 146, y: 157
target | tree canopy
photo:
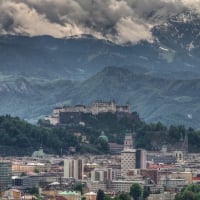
x: 135, y: 191
x: 191, y: 192
x: 100, y: 195
x: 26, y: 137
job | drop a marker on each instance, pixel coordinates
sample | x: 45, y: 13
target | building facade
x: 128, y: 156
x: 127, y: 161
x: 73, y: 168
x: 5, y: 175
x: 141, y: 158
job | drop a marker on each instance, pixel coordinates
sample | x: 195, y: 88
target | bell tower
x: 128, y: 141
x: 128, y: 155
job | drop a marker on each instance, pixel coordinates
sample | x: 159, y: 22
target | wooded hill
x: 18, y: 137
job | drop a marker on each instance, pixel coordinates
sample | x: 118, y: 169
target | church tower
x: 128, y: 142
x: 128, y: 156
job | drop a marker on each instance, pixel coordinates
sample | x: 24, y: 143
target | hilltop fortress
x: 65, y: 114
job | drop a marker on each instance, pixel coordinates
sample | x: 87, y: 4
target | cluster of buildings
x: 163, y: 172
x: 72, y: 114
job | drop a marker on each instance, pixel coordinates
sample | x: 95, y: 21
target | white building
x: 101, y: 174
x: 73, y: 168
x: 125, y: 185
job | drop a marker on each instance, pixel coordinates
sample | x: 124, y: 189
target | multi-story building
x: 94, y: 186
x: 5, y: 175
x: 141, y: 159
x: 124, y: 185
x: 101, y: 174
x: 73, y: 168
x: 128, y: 156
x: 127, y: 161
x: 116, y: 174
x: 150, y: 175
x: 24, y: 182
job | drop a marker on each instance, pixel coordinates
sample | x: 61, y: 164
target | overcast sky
x: 117, y: 20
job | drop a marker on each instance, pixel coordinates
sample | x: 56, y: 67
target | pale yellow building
x: 91, y: 196
x: 184, y: 175
x: 12, y: 194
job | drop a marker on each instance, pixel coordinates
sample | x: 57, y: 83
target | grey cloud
x: 117, y: 20
x: 156, y: 9
x: 7, y: 22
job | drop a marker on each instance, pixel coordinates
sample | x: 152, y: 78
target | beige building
x: 12, y: 194
x: 183, y: 175
x: 19, y: 167
x: 91, y: 196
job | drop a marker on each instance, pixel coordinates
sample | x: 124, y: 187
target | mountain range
x: 161, y: 79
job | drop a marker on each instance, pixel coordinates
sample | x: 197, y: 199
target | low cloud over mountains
x: 120, y: 21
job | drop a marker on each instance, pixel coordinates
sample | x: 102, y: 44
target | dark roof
x: 168, y: 159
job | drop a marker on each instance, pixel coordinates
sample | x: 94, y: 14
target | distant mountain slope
x: 179, y: 40
x: 31, y: 99
x: 155, y: 99
x: 80, y: 58
x: 160, y: 79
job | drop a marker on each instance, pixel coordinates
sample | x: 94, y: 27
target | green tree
x: 116, y: 198
x: 36, y: 170
x: 34, y: 190
x: 160, y: 127
x: 188, y: 195
x: 197, y: 196
x: 124, y: 196
x: 174, y: 133
x: 79, y: 187
x: 100, y: 195
x: 146, y: 192
x: 194, y: 188
x: 135, y: 191
x: 191, y: 192
x: 107, y: 197
x: 103, y: 146
x: 23, y: 174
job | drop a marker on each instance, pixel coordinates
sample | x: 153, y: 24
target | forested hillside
x: 18, y: 137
